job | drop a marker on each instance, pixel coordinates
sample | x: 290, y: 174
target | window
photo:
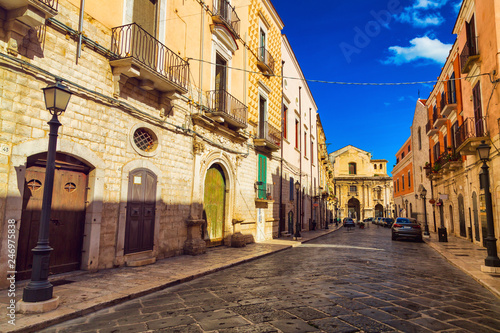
x: 352, y: 168
x: 145, y: 139
x: 380, y: 167
x: 454, y: 130
x: 409, y: 148
x: 375, y: 166
x: 285, y: 121
x: 403, y: 181
x: 262, y: 117
x: 436, y: 151
x: 478, y: 114
x: 312, y: 150
x: 402, y: 155
x: 409, y: 179
x: 262, y: 45
x: 397, y: 161
x: 305, y: 144
x: 398, y: 186
x: 452, y: 90
x: 353, y: 188
x: 296, y: 134
x: 445, y: 139
x: 419, y: 138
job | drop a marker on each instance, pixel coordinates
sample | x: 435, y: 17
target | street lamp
x: 492, y: 259
x: 39, y: 288
x: 423, y: 194
x: 297, y: 224
x: 442, y: 234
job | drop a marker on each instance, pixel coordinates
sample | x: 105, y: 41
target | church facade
x: 362, y: 187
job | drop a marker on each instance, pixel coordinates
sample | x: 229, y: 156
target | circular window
x: 145, y: 139
x: 70, y: 187
x: 34, y: 185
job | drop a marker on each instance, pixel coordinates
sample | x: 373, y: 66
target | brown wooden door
x: 141, y: 205
x: 214, y: 204
x: 66, y: 225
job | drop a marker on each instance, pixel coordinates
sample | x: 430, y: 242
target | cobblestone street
x: 347, y: 281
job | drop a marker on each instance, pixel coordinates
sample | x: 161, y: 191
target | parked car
x: 348, y: 222
x: 378, y: 221
x: 387, y: 222
x: 368, y: 220
x: 406, y: 228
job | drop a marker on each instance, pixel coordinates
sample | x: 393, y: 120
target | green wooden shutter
x: 262, y: 177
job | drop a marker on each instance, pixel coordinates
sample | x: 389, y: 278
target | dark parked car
x: 387, y: 222
x: 368, y: 220
x: 406, y: 228
x: 348, y: 222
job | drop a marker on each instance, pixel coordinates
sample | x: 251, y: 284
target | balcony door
x: 145, y: 15
x: 220, y: 83
x: 478, y: 113
x: 262, y: 117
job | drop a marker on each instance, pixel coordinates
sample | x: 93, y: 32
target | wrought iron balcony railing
x: 264, y: 191
x: 470, y: 128
x: 266, y: 59
x: 269, y: 133
x: 222, y: 102
x: 132, y: 41
x: 468, y: 55
x: 54, y: 4
x: 227, y: 15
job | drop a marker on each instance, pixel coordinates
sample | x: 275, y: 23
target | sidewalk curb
x: 436, y: 248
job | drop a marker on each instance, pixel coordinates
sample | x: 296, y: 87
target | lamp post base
x: 38, y: 307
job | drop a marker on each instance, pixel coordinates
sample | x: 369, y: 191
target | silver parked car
x: 406, y: 228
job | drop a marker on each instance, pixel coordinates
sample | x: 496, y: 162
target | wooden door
x: 461, y: 216
x: 66, y: 225
x: 141, y: 206
x: 220, y: 84
x: 214, y: 205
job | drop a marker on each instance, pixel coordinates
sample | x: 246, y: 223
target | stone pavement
x: 81, y: 294
x: 84, y: 293
x: 468, y: 257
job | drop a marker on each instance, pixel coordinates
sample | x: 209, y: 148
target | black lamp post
x: 39, y: 288
x: 423, y: 194
x: 492, y: 259
x: 442, y: 234
x: 297, y: 222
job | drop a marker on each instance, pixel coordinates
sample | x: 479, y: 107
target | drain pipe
x: 283, y: 121
x: 311, y: 170
x: 80, y: 29
x: 300, y: 159
x: 202, y: 39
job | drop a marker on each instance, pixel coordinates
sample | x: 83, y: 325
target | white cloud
x: 421, y: 48
x: 422, y: 13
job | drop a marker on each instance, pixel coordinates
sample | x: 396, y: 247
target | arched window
x: 380, y: 167
x: 375, y: 166
x: 419, y: 138
x: 352, y: 168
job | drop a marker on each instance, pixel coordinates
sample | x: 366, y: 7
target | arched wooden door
x: 214, y: 205
x: 461, y: 216
x: 67, y: 219
x: 379, y: 210
x: 476, y: 216
x: 141, y: 206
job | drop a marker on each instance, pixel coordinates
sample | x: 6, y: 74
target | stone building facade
x: 404, y: 187
x: 164, y: 149
x: 362, y: 187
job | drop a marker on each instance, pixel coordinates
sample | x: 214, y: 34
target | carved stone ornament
x: 198, y: 146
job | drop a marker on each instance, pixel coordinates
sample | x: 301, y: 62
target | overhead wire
x: 342, y: 82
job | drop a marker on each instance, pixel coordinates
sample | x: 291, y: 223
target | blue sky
x: 369, y: 41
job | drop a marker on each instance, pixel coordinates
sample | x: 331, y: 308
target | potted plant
x: 436, y: 167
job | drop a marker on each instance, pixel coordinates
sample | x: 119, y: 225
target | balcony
x: 265, y: 61
x: 263, y: 192
x: 430, y: 129
x: 439, y: 121
x: 448, y: 103
x: 32, y: 13
x: 224, y: 13
x: 223, y: 107
x: 469, y: 55
x: 135, y: 53
x: 269, y: 137
x: 470, y: 134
